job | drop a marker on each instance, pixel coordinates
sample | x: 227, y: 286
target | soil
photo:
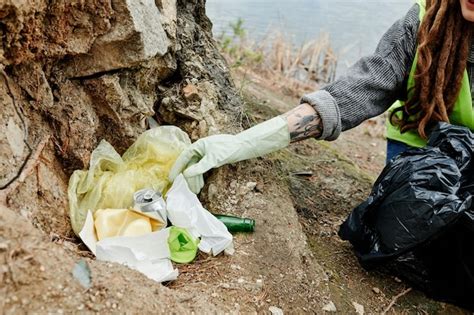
x: 298, y: 196
x: 294, y: 260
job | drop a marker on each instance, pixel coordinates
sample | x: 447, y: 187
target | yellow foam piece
x: 123, y: 222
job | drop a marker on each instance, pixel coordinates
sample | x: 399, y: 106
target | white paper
x: 148, y: 253
x: 185, y: 210
x: 151, y: 246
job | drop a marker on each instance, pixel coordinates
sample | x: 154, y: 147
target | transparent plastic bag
x: 112, y: 179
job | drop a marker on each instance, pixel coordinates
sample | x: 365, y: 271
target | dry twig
x: 395, y: 299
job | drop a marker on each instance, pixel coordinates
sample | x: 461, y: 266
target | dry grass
x: 295, y: 69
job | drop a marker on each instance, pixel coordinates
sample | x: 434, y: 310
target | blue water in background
x: 354, y: 26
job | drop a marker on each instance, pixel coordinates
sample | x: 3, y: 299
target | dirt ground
x: 293, y: 261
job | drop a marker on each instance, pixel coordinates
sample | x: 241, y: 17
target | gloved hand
x: 215, y: 151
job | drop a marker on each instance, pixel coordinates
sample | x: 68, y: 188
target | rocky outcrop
x: 72, y: 73
x: 75, y: 72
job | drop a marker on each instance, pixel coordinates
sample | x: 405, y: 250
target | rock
x: 191, y: 92
x: 83, y: 71
x: 15, y: 137
x: 32, y: 80
x: 275, y: 310
x: 4, y: 246
x: 138, y: 37
x: 247, y: 188
x: 235, y: 267
x: 39, y: 30
x: 168, y: 12
x: 376, y: 290
x: 358, y: 308
x: 251, y: 185
x: 330, y: 307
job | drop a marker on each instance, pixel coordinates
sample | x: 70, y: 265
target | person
x: 422, y: 71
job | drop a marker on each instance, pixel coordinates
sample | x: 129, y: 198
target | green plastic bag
x: 112, y: 180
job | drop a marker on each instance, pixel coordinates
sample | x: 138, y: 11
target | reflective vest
x: 462, y: 113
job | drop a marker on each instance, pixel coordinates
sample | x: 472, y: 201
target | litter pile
x: 117, y: 208
x: 418, y: 222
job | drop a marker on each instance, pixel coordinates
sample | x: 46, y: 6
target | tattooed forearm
x: 304, y: 122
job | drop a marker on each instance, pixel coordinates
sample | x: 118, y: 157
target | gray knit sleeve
x: 372, y: 84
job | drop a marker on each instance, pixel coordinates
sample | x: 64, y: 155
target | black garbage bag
x: 418, y: 222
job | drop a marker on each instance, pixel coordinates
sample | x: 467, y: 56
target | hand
x: 215, y: 151
x: 204, y: 154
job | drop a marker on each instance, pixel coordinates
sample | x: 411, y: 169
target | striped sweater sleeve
x: 372, y: 84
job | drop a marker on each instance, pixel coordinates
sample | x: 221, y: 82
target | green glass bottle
x: 236, y: 224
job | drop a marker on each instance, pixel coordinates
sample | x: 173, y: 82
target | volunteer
x: 422, y: 70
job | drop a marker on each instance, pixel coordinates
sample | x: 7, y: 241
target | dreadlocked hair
x: 444, y: 40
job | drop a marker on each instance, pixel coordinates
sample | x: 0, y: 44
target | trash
x: 82, y: 273
x: 123, y: 222
x: 236, y: 224
x: 148, y: 253
x: 330, y: 307
x: 185, y: 210
x: 418, y: 222
x: 112, y: 179
x: 183, y: 247
x: 151, y: 203
x: 118, y: 211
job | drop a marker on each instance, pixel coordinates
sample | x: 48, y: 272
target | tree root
x: 30, y: 165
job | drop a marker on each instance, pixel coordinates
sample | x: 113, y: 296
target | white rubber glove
x: 215, y: 151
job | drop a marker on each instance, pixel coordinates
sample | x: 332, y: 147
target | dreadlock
x: 444, y: 40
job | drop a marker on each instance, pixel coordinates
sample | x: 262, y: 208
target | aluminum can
x: 151, y: 203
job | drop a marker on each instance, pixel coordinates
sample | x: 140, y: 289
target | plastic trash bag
x: 112, y: 179
x: 418, y: 221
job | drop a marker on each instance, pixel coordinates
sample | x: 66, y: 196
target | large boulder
x: 75, y: 72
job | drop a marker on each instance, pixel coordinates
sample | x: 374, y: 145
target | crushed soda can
x: 150, y: 203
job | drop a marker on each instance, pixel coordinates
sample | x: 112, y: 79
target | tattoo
x: 304, y: 122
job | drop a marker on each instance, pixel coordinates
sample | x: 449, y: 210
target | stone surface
x: 32, y: 80
x: 275, y: 310
x: 79, y: 72
x: 359, y: 308
x: 83, y: 71
x: 169, y: 12
x: 38, y: 29
x: 330, y: 307
x: 12, y: 134
x: 136, y: 35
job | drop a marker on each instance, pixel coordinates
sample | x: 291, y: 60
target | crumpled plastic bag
x: 418, y: 222
x: 112, y: 179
